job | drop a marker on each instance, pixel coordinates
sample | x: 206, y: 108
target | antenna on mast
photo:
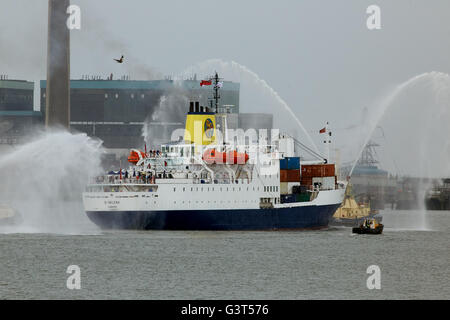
x: 217, y: 85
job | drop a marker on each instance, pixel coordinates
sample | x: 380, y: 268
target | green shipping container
x: 303, y: 197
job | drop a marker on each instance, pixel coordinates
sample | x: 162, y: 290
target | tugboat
x: 351, y: 213
x: 369, y: 226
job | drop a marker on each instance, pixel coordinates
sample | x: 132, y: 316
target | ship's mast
x: 217, y: 86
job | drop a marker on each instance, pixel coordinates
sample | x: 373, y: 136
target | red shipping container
x: 329, y: 170
x: 290, y: 175
x: 318, y: 170
x: 283, y: 176
x: 312, y: 170
x: 293, y: 175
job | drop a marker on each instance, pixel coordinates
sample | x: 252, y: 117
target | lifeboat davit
x: 230, y: 157
x: 136, y: 156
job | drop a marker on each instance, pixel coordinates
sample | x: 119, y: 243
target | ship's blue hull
x: 307, y: 217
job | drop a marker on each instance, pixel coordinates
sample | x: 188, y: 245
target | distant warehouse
x: 115, y: 110
x: 17, y: 116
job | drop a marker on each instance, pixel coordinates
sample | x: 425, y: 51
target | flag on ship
x: 205, y: 83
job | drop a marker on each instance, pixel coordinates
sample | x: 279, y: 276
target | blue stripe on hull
x: 309, y: 217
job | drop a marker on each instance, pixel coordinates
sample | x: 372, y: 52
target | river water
x: 326, y: 264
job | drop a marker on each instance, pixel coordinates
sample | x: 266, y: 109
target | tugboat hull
x: 360, y: 230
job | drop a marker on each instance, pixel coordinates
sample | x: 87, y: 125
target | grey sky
x: 318, y: 55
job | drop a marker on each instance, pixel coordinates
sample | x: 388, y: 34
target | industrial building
x: 115, y: 110
x: 17, y: 116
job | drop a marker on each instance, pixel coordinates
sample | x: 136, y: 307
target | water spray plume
x: 43, y: 181
x: 415, y: 117
x: 430, y: 78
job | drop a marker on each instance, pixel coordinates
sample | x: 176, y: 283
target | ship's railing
x: 115, y: 179
x: 121, y: 188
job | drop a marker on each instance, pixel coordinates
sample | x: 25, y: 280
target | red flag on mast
x: 205, y: 83
x: 323, y: 130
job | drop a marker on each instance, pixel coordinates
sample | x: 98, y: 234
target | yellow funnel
x: 200, y: 128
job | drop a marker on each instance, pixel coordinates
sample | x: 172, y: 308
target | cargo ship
x: 208, y: 181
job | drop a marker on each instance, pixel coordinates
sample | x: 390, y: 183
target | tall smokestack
x: 57, y: 107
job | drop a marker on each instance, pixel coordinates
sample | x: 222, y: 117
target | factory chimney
x: 57, y: 107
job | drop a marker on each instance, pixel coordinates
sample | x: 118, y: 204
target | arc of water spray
x: 262, y: 82
x: 385, y: 103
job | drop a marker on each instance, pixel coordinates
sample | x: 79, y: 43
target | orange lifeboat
x: 136, y: 155
x: 231, y: 157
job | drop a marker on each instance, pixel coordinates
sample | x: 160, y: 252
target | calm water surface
x: 413, y: 255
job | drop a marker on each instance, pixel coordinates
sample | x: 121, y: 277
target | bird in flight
x: 119, y: 60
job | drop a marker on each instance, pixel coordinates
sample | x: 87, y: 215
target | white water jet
x: 415, y: 117
x: 42, y: 182
x: 383, y: 106
x: 255, y: 96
